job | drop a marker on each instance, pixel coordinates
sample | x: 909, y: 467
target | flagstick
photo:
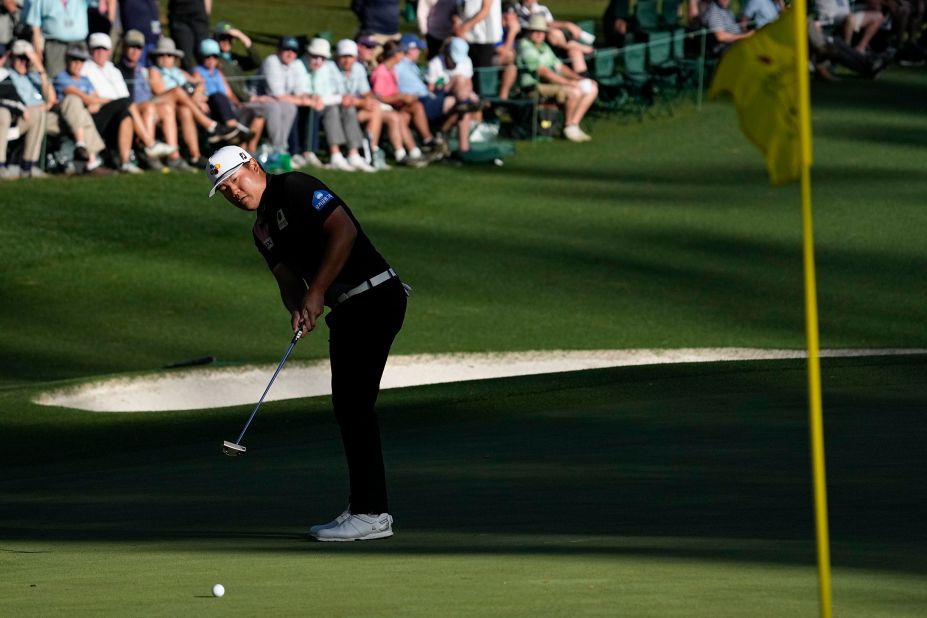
x: 816, y: 416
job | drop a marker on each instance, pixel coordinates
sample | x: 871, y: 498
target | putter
x: 234, y: 449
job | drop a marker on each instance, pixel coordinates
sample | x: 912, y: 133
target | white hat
x: 346, y: 47
x: 223, y: 163
x: 99, y: 39
x: 320, y: 47
x: 21, y: 47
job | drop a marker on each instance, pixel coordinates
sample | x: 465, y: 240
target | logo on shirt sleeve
x: 320, y: 198
x: 281, y: 220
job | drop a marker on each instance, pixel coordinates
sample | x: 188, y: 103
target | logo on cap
x: 214, y: 169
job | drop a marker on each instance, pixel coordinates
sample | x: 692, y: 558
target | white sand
x: 205, y: 387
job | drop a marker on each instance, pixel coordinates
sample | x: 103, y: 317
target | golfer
x: 319, y: 255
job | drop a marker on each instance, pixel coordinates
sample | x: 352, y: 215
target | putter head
x: 233, y: 450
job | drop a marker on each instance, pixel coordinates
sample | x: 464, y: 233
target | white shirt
x: 438, y: 70
x: 106, y: 80
x: 488, y: 31
x: 282, y: 79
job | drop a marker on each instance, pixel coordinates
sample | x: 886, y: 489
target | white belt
x: 371, y: 283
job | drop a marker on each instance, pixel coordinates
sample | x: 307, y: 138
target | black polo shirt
x: 288, y: 230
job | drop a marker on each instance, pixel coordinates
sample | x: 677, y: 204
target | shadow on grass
x: 697, y: 461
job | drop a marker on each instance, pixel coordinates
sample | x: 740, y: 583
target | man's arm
x: 292, y: 287
x: 461, y: 29
x: 340, y: 233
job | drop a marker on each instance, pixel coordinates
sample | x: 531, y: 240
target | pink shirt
x: 383, y: 82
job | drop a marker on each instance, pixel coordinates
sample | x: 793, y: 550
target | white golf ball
x: 218, y: 590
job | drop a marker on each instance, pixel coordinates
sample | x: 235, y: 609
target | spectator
x: 367, y: 53
x: 839, y: 14
x: 825, y: 48
x: 101, y: 15
x: 723, y: 25
x: 379, y: 19
x: 339, y: 116
x: 118, y: 116
x: 285, y: 79
x: 479, y: 22
x: 618, y: 22
x: 370, y: 112
x: 172, y: 84
x: 55, y: 25
x: 506, y: 53
x: 571, y: 40
x: 30, y: 120
x: 224, y: 106
x: 150, y: 111
x: 451, y: 72
x: 9, y: 17
x: 144, y: 17
x: 761, y: 12
x: 436, y: 22
x: 573, y: 91
x: 189, y: 24
x: 436, y: 104
x: 385, y: 87
x: 278, y: 116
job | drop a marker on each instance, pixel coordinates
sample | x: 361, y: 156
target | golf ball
x: 218, y: 590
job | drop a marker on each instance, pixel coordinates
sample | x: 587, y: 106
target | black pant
x: 187, y: 33
x: 361, y: 332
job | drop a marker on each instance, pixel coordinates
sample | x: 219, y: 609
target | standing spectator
x: 285, y: 79
x: 55, y: 25
x: 118, y: 106
x: 189, y: 24
x: 618, y: 21
x: 436, y: 22
x: 9, y: 17
x: 370, y: 112
x: 145, y: 17
x: 28, y: 116
x: 101, y: 15
x: 224, y: 106
x: 339, y: 116
x: 479, y: 22
x: 573, y: 91
x: 379, y: 19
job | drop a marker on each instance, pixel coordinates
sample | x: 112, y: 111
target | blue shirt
x: 59, y: 20
x: 410, y: 79
x: 761, y: 11
x: 28, y: 87
x: 173, y: 77
x: 212, y: 80
x: 63, y: 80
x: 356, y: 82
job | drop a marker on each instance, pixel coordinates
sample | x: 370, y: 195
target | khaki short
x: 554, y: 91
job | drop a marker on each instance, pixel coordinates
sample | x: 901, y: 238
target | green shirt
x: 533, y: 59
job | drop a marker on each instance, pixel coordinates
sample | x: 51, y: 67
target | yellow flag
x: 759, y: 73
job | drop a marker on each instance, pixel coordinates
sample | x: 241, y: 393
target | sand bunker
x: 199, y: 388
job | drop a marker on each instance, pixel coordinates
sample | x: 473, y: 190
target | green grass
x: 653, y: 491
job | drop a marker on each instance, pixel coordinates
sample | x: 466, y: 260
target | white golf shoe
x: 358, y: 528
x: 314, y: 530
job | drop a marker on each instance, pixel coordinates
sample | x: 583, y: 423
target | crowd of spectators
x: 100, y: 81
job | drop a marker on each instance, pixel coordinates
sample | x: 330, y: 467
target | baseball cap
x: 223, y: 27
x: 410, y: 41
x: 77, y: 50
x: 366, y: 41
x: 289, y: 42
x: 21, y: 47
x: 223, y: 163
x: 135, y: 38
x: 209, y: 47
x: 100, y: 39
x: 346, y: 47
x: 459, y: 50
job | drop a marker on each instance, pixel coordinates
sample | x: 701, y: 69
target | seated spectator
x: 409, y: 80
x: 118, y: 116
x: 37, y: 93
x: 278, y: 116
x: 825, y: 48
x: 451, y: 72
x: 153, y: 111
x: 224, y: 106
x: 761, y: 12
x: 370, y: 112
x: 723, y: 25
x: 563, y: 36
x: 174, y: 85
x: 575, y: 92
x: 385, y: 87
x: 506, y: 53
x: 285, y: 79
x: 435, y: 22
x: 837, y: 13
x: 367, y: 53
x: 29, y: 119
x: 339, y: 115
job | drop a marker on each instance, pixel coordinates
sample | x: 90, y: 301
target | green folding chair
x: 516, y: 111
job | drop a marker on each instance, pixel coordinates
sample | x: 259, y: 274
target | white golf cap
x: 99, y: 39
x: 346, y: 47
x: 223, y: 163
